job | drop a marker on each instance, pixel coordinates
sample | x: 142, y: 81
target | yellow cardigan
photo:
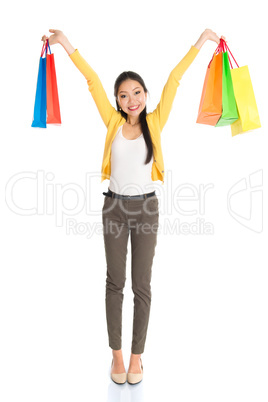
x: 113, y: 119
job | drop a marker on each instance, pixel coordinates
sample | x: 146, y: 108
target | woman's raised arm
x: 94, y: 84
x: 162, y: 111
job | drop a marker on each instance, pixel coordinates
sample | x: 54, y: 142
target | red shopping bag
x: 210, y: 108
x: 53, y: 105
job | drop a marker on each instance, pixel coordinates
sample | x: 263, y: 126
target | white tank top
x: 129, y: 174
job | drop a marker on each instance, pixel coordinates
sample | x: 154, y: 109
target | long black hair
x: 130, y: 75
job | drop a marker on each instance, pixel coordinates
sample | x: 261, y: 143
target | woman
x: 132, y: 160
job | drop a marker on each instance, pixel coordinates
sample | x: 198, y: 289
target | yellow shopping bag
x: 245, y: 101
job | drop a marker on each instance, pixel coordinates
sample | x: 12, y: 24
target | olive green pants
x: 139, y: 218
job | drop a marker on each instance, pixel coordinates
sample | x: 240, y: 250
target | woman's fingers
x: 44, y: 38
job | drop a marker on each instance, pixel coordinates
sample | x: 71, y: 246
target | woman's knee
x: 117, y: 285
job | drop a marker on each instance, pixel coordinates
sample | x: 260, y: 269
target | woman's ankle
x: 135, y: 357
x: 117, y: 354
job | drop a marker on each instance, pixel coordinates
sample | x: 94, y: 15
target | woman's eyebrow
x: 132, y: 90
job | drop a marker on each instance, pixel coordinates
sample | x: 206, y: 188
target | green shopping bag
x: 229, y: 109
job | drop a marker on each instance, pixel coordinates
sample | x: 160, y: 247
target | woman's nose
x: 131, y: 99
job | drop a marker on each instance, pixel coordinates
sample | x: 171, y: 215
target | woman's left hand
x: 208, y: 34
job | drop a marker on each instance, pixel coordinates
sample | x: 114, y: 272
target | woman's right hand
x: 56, y: 37
x: 59, y: 37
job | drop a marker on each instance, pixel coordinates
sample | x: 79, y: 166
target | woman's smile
x: 134, y: 107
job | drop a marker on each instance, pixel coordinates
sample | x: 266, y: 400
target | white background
x: 207, y: 336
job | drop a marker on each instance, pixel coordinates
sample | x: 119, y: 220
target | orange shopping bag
x: 210, y: 108
x: 53, y: 106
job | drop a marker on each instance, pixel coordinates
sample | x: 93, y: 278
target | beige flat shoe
x: 133, y: 378
x: 119, y: 378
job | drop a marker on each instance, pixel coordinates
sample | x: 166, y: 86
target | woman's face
x: 131, y: 97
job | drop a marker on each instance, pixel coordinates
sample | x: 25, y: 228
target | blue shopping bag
x: 40, y: 105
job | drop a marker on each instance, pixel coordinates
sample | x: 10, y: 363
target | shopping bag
x: 40, y: 112
x: 229, y: 109
x: 246, y: 103
x: 210, y: 107
x: 53, y: 106
x: 248, y: 116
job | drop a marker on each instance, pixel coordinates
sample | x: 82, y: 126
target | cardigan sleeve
x: 163, y: 108
x: 95, y: 87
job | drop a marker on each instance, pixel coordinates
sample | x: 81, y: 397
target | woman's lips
x: 133, y: 108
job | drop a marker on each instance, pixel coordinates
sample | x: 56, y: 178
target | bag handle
x: 226, y: 49
x: 229, y: 51
x: 45, y: 47
x: 222, y: 47
x: 219, y: 49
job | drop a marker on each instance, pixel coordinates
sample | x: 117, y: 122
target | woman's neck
x: 133, y: 121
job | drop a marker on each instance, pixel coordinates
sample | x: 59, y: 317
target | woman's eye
x: 136, y: 93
